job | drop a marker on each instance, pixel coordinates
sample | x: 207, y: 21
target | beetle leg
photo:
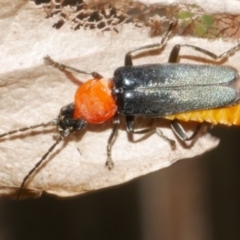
x: 109, y: 163
x: 180, y: 132
x: 128, y: 56
x: 64, y: 67
x: 130, y: 128
x: 170, y: 141
x: 173, y: 58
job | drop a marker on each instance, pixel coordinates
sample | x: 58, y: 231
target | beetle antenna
x: 27, y: 128
x: 58, y: 140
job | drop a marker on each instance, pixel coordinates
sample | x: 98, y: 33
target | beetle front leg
x: 109, y: 163
x: 130, y: 128
x: 64, y: 67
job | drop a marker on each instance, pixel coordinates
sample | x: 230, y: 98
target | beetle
x: 171, y: 90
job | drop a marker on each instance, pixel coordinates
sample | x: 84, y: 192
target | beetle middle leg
x: 130, y: 128
x: 128, y: 56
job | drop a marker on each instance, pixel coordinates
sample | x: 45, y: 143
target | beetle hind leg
x: 181, y: 133
x: 173, y: 58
